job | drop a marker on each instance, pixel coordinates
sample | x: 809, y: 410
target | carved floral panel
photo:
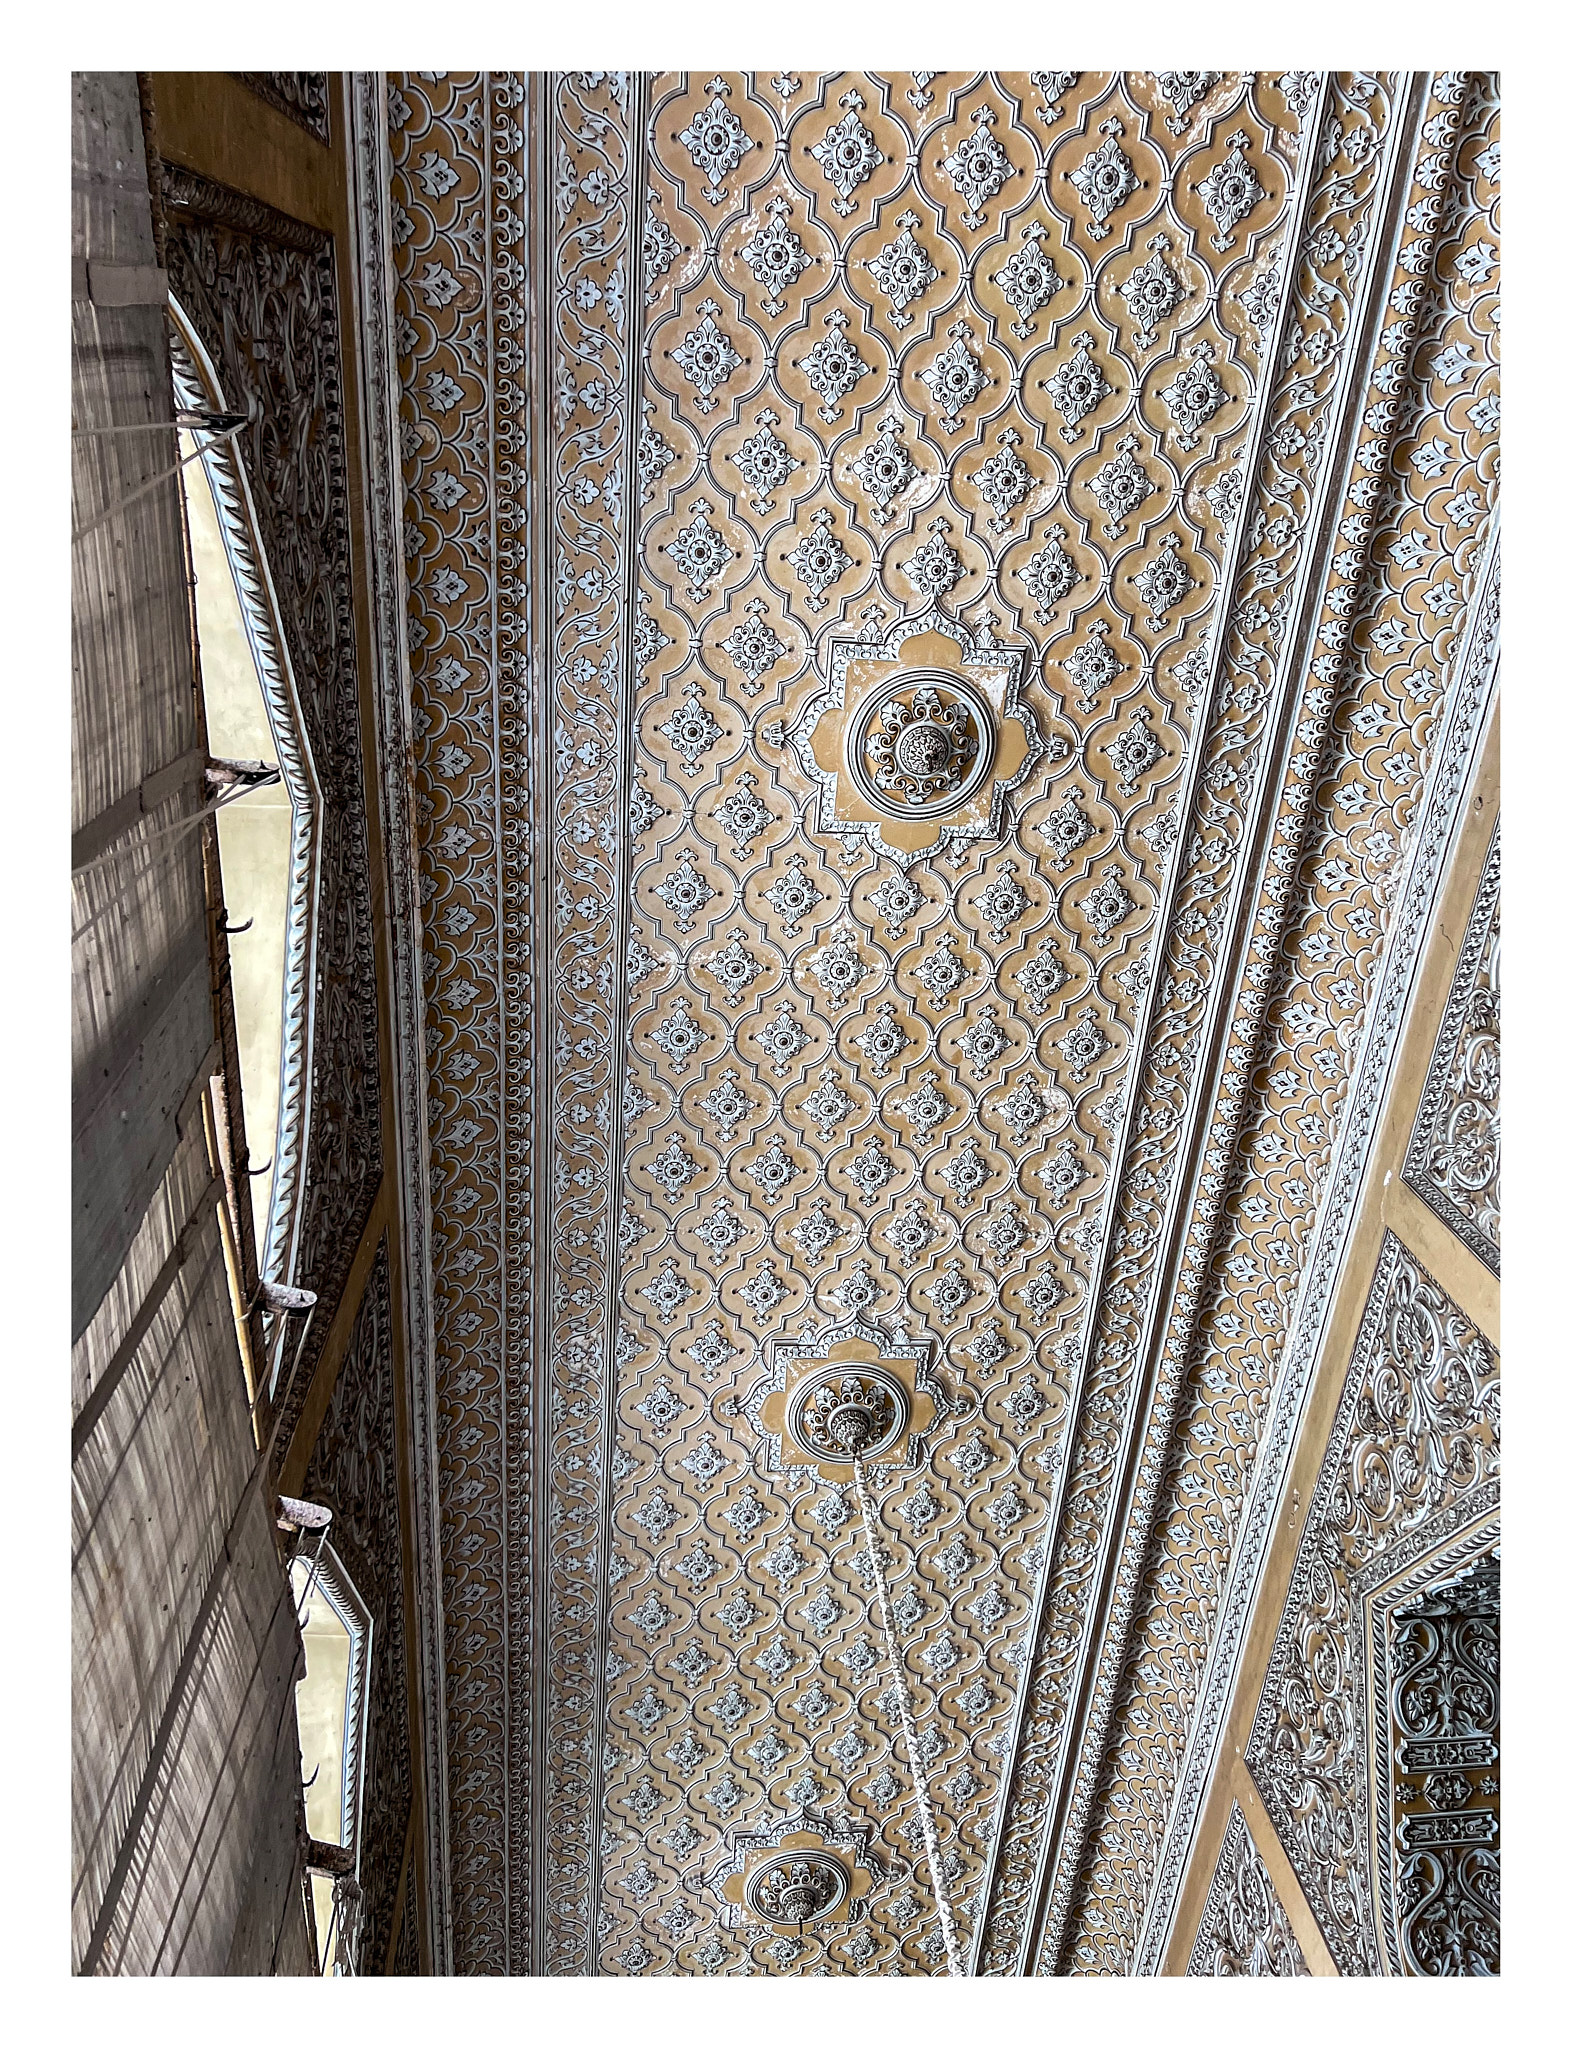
x: 1244, y: 1931
x: 1411, y: 1465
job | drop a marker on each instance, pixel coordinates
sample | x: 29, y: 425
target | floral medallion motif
x: 716, y: 140
x: 775, y: 256
x: 978, y: 166
x: 902, y: 270
x: 1028, y: 280
x: 706, y: 357
x: 848, y: 155
x: 917, y: 740
x: 955, y: 378
x: 1105, y: 180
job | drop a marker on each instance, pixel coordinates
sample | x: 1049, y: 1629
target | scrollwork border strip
x: 370, y: 171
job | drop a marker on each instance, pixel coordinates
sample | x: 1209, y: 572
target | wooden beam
x: 324, y: 1376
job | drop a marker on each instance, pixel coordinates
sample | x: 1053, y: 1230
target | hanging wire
x: 133, y: 497
x: 162, y: 843
x: 903, y: 1701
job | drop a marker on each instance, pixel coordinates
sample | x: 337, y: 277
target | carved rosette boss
x: 848, y: 1390
x: 917, y: 739
x: 795, y: 1870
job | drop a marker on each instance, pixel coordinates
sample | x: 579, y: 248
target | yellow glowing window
x: 268, y: 837
x: 330, y: 1712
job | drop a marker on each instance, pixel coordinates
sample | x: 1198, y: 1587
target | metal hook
x: 233, y: 931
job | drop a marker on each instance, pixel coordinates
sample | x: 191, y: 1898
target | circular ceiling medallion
x: 796, y: 1888
x: 921, y: 744
x: 842, y: 1412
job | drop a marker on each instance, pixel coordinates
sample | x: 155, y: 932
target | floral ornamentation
x: 793, y: 895
x: 727, y: 1105
x: 744, y: 813
x: 950, y: 1291
x: 656, y: 455
x: 941, y: 972
x: 691, y: 729
x: 765, y: 463
x: 833, y: 365
x: 871, y: 1169
x: 967, y: 1173
x: 1105, y: 180
x: 734, y: 967
x: 648, y: 639
x: 1192, y: 398
x: 721, y: 1228
x: 885, y: 468
x: 848, y: 156
x: 763, y: 1293
x: 1152, y: 292
x: 706, y: 357
x: 1182, y: 89
x: 925, y: 1109
x: 1028, y: 280
x: 776, y: 256
x: 679, y: 1034
x: 882, y: 1041
x: 902, y: 270
x: 978, y: 166
x: 1053, y: 85
x: 1050, y: 575
x: 897, y: 899
x: 1244, y: 1931
x: 661, y: 250
x: 910, y: 1232
x: 1005, y: 1233
x: 828, y: 1105
x: 935, y: 568
x: 1044, y: 974
x: 753, y: 646
x: 838, y: 967
x: 782, y: 1039
x: 1002, y: 902
x: 699, y: 552
x: 819, y: 558
x: 1108, y: 905
x: 684, y: 892
x: 1084, y: 1044
x: 1077, y: 387
x: 716, y: 140
x: 1121, y: 487
x: 1164, y: 582
x: 772, y: 1171
x: 955, y: 378
x: 983, y: 1041
x: 1003, y: 480
x: 1093, y: 666
x: 1420, y: 1405
x: 817, y: 1234
x: 1454, y: 1155
x: 1230, y: 190
x: 1135, y: 749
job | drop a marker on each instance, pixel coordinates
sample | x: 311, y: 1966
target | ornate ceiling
x: 936, y: 619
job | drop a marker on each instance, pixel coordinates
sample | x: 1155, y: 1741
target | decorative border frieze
x: 1454, y: 1156
x: 370, y: 172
